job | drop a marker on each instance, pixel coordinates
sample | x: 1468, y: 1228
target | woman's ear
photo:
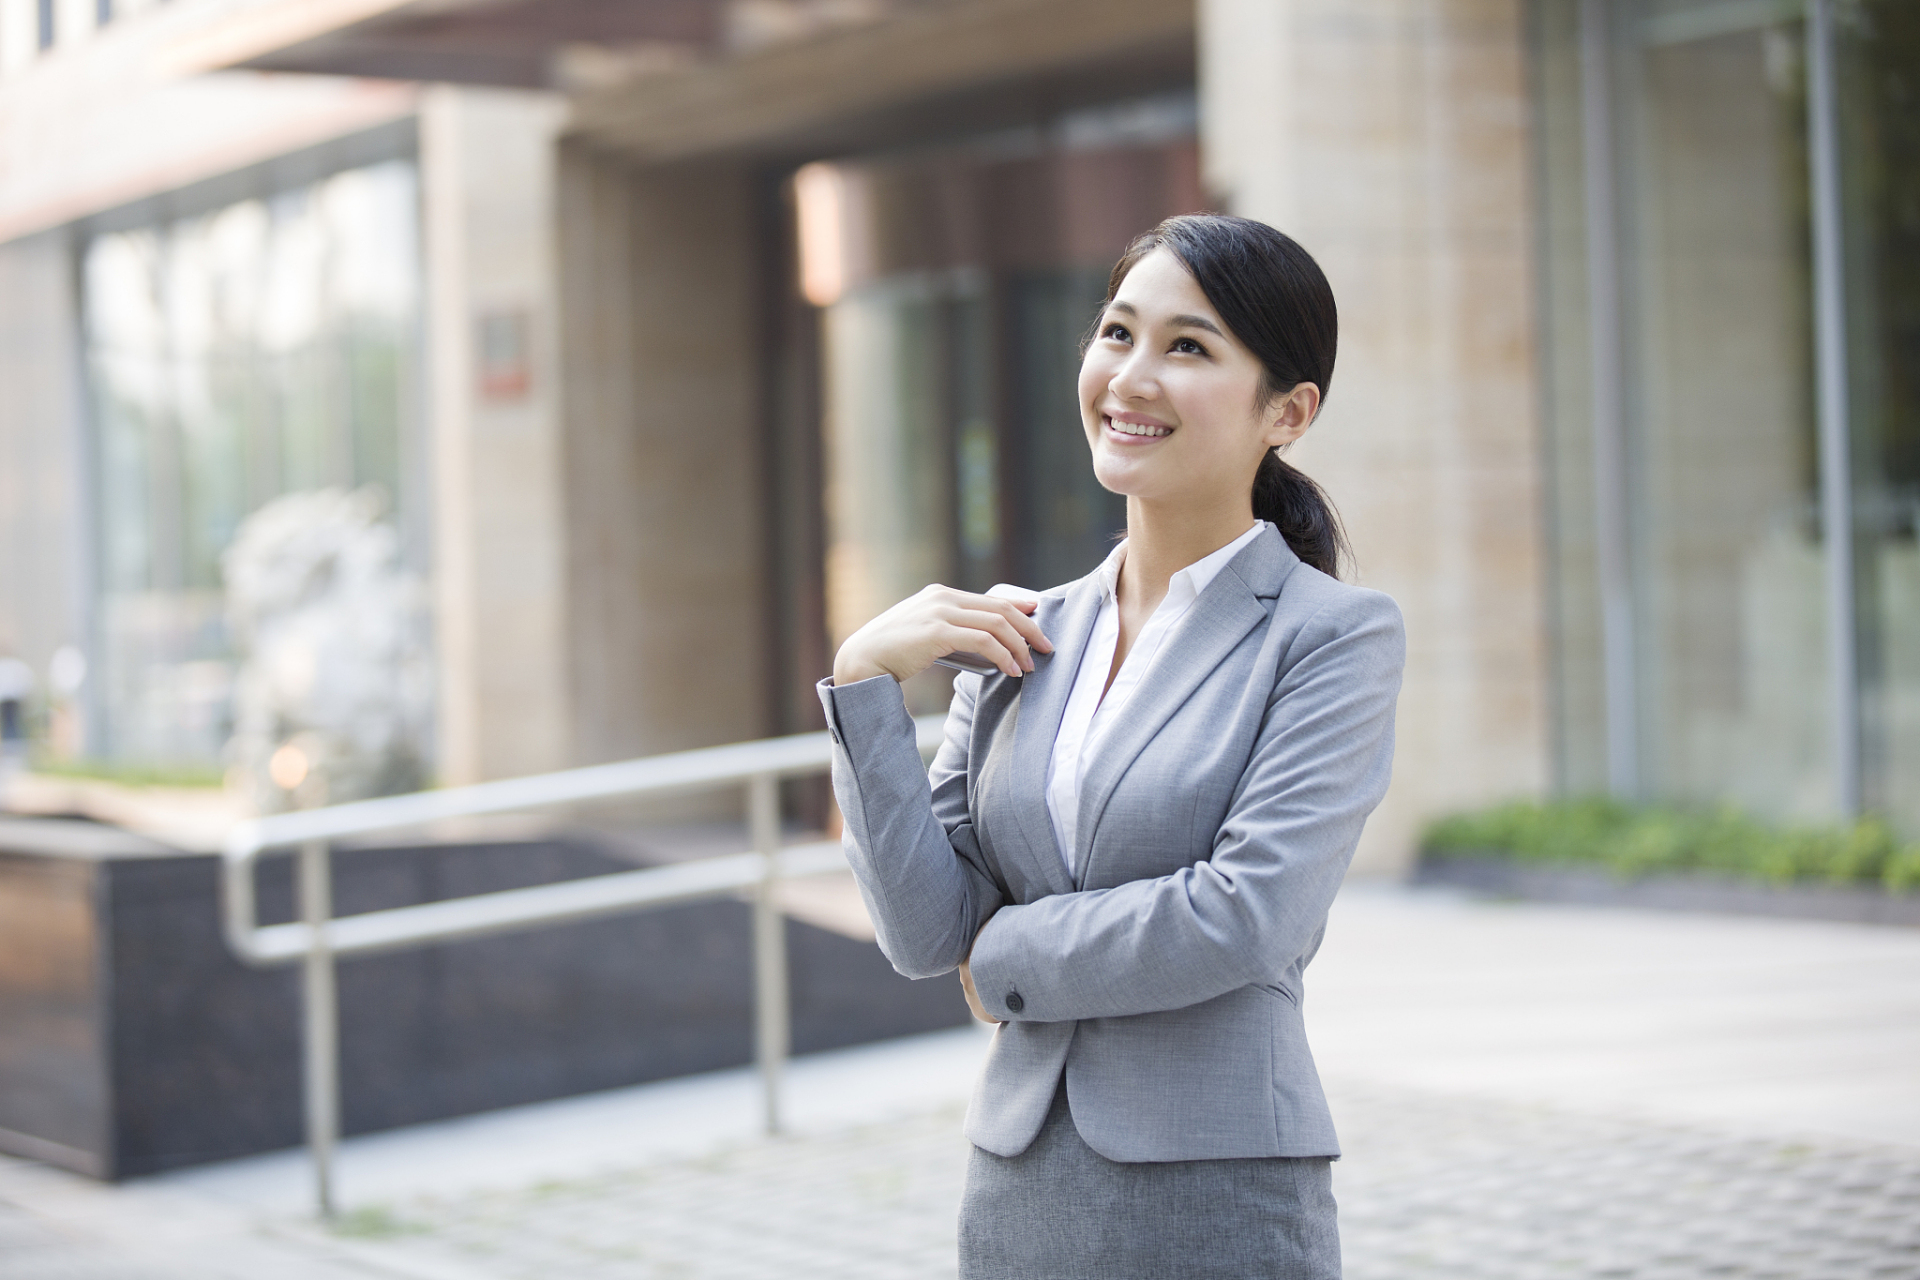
x: 1290, y: 417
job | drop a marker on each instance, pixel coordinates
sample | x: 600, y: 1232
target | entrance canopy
x: 670, y: 79
x: 517, y: 43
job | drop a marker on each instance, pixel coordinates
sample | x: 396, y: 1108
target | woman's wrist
x: 974, y: 1002
x: 850, y: 666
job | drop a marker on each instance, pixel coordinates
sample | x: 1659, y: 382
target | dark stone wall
x: 202, y: 1054
x: 53, y: 1086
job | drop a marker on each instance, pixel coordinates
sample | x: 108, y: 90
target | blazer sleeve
x: 1319, y: 766
x: 908, y: 834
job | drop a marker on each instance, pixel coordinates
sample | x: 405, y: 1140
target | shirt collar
x: 1109, y: 571
x: 1188, y: 582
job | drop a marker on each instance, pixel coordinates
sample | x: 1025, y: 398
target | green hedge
x: 132, y: 774
x: 1638, y: 839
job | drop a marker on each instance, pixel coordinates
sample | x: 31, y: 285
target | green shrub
x: 1903, y: 869
x: 1636, y: 840
x: 133, y: 773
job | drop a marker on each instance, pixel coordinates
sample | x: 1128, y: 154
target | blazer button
x: 1014, y: 1002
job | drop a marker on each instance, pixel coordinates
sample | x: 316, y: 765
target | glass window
x: 892, y: 351
x: 259, y: 349
x: 1709, y: 120
x: 1879, y: 82
x: 1729, y: 583
x: 1069, y: 520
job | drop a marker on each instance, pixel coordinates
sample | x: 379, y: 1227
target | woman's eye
x: 1117, y: 332
x: 1187, y: 346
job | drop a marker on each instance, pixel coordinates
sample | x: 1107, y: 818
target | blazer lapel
x: 1226, y: 611
x: 1068, y: 622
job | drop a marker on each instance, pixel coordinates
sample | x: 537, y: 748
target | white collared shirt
x: 1088, y: 715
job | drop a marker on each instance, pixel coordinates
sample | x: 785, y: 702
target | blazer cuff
x: 865, y: 717
x: 1003, y: 972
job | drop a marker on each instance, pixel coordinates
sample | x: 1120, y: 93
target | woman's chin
x: 1117, y: 477
x: 1122, y: 469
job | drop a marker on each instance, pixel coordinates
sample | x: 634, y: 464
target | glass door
x: 1734, y: 694
x: 1878, y: 78
x: 1678, y: 213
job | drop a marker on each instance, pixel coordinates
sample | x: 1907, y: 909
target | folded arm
x: 908, y: 834
x: 1257, y: 904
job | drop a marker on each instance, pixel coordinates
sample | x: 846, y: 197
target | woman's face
x: 1171, y: 401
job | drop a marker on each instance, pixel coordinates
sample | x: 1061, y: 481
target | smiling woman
x: 1132, y: 833
x: 1287, y: 351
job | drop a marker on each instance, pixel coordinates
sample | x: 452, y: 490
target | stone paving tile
x: 875, y: 1203
x: 29, y: 1248
x: 1432, y: 1189
x: 59, y: 1226
x: 30, y: 1251
x: 1435, y: 1187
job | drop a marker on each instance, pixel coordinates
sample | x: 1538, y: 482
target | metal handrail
x: 319, y: 939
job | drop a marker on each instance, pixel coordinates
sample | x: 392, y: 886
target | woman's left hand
x: 966, y: 984
x: 973, y: 996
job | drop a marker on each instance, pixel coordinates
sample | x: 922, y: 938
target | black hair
x: 1277, y: 303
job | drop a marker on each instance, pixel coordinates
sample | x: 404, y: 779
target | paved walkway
x: 1524, y: 1093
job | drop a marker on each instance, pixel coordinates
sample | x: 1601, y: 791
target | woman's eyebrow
x: 1177, y: 322
x: 1195, y: 322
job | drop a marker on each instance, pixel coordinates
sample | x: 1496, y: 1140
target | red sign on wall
x: 504, y: 359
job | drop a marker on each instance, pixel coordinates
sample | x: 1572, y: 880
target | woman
x: 1131, y: 835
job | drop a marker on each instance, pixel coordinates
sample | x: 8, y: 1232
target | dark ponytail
x: 1288, y: 498
x: 1278, y: 304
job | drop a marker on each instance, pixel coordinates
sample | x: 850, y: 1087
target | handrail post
x: 321, y: 1039
x: 769, y: 945
x: 317, y: 940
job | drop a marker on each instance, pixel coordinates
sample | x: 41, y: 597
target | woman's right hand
x: 937, y: 621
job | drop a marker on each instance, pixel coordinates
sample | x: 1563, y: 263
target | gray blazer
x: 1215, y: 825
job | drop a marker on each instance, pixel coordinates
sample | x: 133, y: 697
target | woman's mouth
x: 1137, y: 431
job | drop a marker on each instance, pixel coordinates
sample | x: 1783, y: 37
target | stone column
x: 19, y: 33
x: 1390, y: 138
x: 488, y: 178
x: 666, y: 469
x: 46, y: 579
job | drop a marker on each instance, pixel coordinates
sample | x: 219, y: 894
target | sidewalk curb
x: 1697, y: 891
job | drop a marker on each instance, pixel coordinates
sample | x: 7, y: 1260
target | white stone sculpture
x: 335, y: 687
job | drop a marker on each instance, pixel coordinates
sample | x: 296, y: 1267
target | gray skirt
x: 1062, y: 1211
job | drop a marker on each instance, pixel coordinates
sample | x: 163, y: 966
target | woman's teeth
x: 1138, y: 428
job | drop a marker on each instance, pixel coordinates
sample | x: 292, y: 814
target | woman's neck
x: 1163, y: 540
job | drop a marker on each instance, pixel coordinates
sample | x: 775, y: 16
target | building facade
x: 683, y: 337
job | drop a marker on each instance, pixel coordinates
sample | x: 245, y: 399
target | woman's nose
x: 1131, y: 381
